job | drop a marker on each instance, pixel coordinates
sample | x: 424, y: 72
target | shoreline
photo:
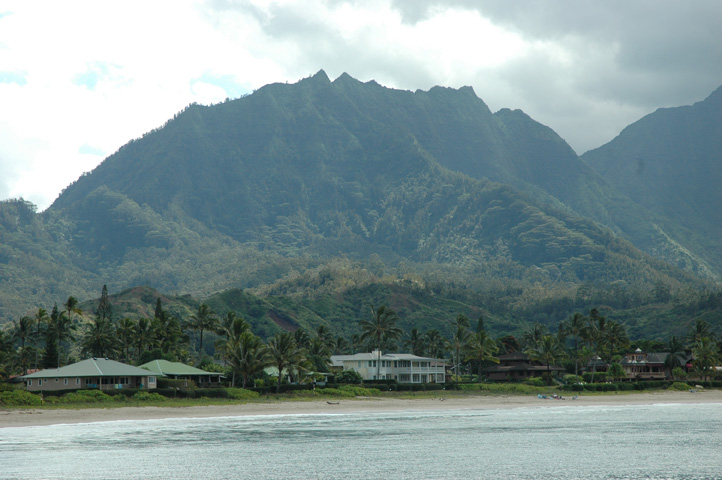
x: 42, y: 417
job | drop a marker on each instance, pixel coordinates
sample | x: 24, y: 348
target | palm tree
x: 248, y: 358
x: 143, y: 336
x: 435, y: 344
x: 533, y: 335
x: 574, y: 326
x: 382, y: 327
x: 547, y: 350
x: 230, y: 330
x: 677, y: 354
x: 585, y: 355
x: 416, y: 342
x: 284, y: 352
x: 481, y: 348
x: 23, y: 330
x: 63, y: 328
x: 203, y: 319
x: 100, y: 338
x: 706, y: 356
x: 700, y: 330
x: 71, y: 306
x: 458, y: 341
x: 126, y: 332
x: 615, y: 337
x: 319, y: 354
x: 41, y: 318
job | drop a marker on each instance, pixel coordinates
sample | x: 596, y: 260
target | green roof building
x: 100, y: 373
x: 176, y: 370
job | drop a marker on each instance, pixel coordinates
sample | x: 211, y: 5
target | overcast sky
x: 78, y: 79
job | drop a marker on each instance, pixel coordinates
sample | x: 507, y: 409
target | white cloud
x: 80, y: 79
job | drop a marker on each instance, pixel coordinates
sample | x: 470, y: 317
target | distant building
x: 99, y: 373
x: 402, y: 367
x: 181, y: 371
x: 518, y: 366
x: 639, y: 365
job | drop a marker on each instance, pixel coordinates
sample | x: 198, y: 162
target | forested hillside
x: 311, y: 191
x: 670, y: 162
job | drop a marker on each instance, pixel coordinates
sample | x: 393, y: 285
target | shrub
x: 178, y: 383
x: 360, y: 391
x: 569, y: 379
x: 149, y: 397
x: 336, y: 392
x: 679, y: 386
x: 86, y: 396
x: 241, y: 394
x: 19, y: 397
x: 535, y: 381
x: 348, y: 376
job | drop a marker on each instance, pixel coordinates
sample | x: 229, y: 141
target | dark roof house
x: 518, y: 366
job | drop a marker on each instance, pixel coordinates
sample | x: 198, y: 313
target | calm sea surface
x: 570, y: 442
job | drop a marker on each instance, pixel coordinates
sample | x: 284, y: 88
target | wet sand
x: 36, y: 417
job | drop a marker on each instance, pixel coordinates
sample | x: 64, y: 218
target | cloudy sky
x: 78, y: 79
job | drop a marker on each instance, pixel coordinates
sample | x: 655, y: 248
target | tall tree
x: 284, y: 353
x: 458, y: 340
x: 416, y: 342
x: 706, y: 356
x: 249, y: 357
x: 143, y: 336
x: 105, y: 309
x: 64, y: 329
x: 23, y: 330
x: 52, y: 350
x: 380, y: 328
x: 99, y: 339
x: 71, y: 306
x: 319, y: 354
x: 574, y: 326
x: 231, y: 329
x: 126, y: 331
x: 615, y: 338
x: 677, y: 354
x: 435, y: 344
x: 204, y: 319
x: 547, y: 350
x: 481, y: 348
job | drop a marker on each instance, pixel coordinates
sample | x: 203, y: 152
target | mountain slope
x: 670, y: 162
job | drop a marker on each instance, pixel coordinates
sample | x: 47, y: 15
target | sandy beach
x: 35, y: 417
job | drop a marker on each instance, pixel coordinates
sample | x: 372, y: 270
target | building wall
x: 77, y: 383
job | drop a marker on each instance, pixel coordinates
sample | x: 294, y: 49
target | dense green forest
x: 239, y: 333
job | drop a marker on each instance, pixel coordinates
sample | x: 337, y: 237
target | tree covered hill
x: 670, y: 162
x: 255, y: 192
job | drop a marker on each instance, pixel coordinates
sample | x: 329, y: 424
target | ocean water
x: 682, y: 442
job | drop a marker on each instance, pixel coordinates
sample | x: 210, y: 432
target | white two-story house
x: 402, y: 367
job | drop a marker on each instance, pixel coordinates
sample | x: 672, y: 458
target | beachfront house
x: 640, y: 365
x: 181, y: 371
x: 402, y: 367
x: 516, y: 366
x: 100, y: 373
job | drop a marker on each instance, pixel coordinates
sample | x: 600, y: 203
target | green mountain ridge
x: 252, y: 193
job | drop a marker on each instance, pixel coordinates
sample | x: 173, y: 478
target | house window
x: 65, y: 381
x: 30, y: 382
x: 151, y: 379
x: 77, y: 381
x: 40, y: 381
x: 359, y: 364
x: 57, y: 380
